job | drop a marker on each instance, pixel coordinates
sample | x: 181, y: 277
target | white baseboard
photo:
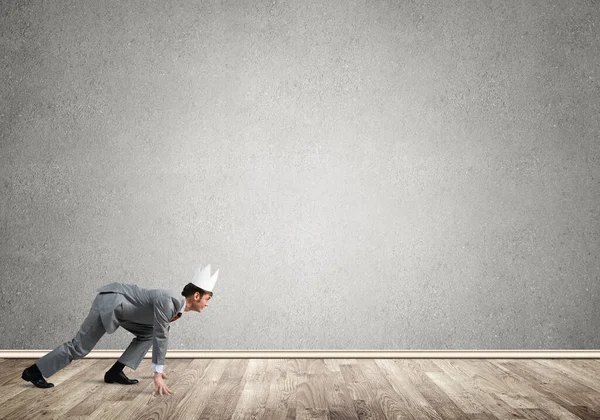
x: 333, y: 354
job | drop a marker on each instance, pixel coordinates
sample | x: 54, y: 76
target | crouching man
x: 146, y: 313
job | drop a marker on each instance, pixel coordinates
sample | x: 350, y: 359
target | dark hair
x: 191, y: 288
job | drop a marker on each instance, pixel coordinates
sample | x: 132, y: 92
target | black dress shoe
x: 119, y: 378
x: 37, y: 380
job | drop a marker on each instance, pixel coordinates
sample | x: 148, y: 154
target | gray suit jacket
x: 155, y: 307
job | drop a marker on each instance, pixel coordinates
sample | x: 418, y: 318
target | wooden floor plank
x: 592, y: 364
x: 208, y: 373
x: 11, y: 383
x: 575, y: 372
x: 282, y: 392
x: 515, y: 393
x: 391, y: 403
x: 364, y: 397
x: 334, y: 364
x: 553, y: 406
x: 179, y: 378
x: 496, y: 382
x: 228, y: 391
x: 491, y: 403
x: 416, y: 404
x: 76, y: 381
x: 553, y: 383
x: 93, y: 400
x: 435, y: 396
x: 256, y: 386
x: 337, y: 396
x: 310, y: 395
x: 12, y: 369
x: 337, y: 389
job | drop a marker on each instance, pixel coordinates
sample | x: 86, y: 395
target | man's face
x: 199, y: 303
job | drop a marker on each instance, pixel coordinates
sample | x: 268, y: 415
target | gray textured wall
x: 366, y: 174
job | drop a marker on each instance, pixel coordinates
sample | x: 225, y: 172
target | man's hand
x: 159, y: 384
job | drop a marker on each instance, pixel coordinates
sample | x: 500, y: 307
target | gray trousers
x: 88, y: 336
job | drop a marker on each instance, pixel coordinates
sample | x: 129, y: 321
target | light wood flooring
x: 475, y: 389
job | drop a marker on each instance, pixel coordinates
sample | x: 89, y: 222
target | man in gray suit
x: 146, y: 313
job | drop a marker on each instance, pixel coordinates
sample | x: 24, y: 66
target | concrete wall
x: 365, y: 174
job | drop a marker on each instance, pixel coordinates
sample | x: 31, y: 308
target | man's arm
x: 163, y: 309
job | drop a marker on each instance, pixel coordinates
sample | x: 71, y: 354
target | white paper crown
x: 203, y: 279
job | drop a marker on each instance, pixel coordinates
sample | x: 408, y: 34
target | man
x: 146, y: 313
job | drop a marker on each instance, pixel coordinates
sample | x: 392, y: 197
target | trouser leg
x: 89, y: 333
x: 139, y: 346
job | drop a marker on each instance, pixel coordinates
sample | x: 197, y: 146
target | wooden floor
x: 314, y: 389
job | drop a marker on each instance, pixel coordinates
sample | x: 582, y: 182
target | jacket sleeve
x: 163, y: 311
